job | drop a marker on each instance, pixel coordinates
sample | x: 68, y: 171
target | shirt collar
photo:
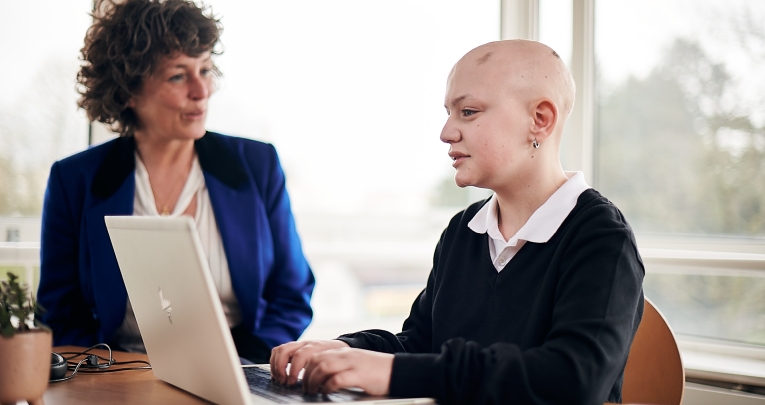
x: 543, y: 223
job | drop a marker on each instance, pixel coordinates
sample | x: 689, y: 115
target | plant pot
x: 25, y: 367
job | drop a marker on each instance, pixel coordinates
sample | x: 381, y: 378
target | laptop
x: 181, y: 319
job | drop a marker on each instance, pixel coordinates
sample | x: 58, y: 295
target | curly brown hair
x: 127, y: 42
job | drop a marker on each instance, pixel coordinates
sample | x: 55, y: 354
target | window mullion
x: 519, y: 19
x: 578, y: 149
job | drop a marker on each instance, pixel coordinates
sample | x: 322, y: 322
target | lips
x: 195, y: 114
x: 458, y: 157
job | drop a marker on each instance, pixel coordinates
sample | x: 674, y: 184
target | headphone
x: 57, y: 366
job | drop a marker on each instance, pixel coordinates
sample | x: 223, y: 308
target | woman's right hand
x: 297, y: 354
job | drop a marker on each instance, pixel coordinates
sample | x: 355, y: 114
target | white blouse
x: 128, y: 335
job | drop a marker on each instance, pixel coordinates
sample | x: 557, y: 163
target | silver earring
x: 535, y: 144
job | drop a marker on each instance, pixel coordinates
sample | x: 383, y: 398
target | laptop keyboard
x: 260, y: 384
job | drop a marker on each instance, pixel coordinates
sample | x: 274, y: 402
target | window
x: 39, y: 120
x: 680, y: 148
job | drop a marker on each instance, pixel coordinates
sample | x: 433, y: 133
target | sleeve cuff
x: 352, y: 341
x: 414, y: 375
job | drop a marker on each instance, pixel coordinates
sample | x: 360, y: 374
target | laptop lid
x: 177, y: 307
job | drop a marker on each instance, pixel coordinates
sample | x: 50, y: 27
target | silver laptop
x: 182, y: 322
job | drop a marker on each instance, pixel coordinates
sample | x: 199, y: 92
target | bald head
x: 507, y: 103
x: 526, y: 69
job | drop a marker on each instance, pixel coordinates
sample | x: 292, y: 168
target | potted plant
x: 25, y: 345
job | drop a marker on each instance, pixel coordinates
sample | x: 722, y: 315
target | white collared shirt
x: 128, y: 335
x: 540, y: 227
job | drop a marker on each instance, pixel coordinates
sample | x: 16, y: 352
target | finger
x: 278, y: 365
x: 298, y: 361
x: 272, y: 362
x: 369, y: 371
x: 321, y: 367
x: 281, y: 355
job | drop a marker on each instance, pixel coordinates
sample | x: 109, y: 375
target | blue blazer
x: 80, y: 284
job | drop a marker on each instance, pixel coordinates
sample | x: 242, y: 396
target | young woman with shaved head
x: 536, y: 293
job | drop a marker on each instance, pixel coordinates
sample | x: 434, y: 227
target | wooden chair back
x: 654, y: 373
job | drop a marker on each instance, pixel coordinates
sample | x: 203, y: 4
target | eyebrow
x: 457, y: 100
x: 183, y: 65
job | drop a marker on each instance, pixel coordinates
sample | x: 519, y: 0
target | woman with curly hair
x: 148, y: 72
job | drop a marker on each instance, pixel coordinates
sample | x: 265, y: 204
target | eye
x: 176, y: 78
x: 206, y: 72
x: 468, y: 113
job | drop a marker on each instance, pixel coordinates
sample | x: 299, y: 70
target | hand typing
x: 332, y: 370
x: 297, y: 354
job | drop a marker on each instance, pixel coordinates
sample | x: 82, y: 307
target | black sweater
x: 554, y: 326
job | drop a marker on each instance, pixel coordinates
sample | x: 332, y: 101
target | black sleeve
x: 598, y: 305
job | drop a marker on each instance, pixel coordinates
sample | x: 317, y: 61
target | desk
x: 124, y: 387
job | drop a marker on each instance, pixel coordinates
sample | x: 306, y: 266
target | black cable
x: 94, y: 366
x: 86, y: 352
x: 121, y: 363
x: 114, y: 370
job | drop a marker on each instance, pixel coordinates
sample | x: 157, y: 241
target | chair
x: 654, y: 373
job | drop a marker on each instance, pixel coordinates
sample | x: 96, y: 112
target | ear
x: 545, y: 119
x: 131, y: 102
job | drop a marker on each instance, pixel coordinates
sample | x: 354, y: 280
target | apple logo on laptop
x: 165, y: 306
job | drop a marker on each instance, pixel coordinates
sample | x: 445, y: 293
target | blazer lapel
x: 239, y: 213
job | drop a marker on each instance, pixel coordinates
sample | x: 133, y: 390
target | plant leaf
x: 17, y: 307
x: 8, y: 331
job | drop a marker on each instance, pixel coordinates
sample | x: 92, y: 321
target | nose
x: 199, y: 87
x: 450, y: 133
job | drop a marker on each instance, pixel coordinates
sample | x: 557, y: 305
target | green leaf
x: 16, y: 302
x: 8, y: 331
x: 5, y: 316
